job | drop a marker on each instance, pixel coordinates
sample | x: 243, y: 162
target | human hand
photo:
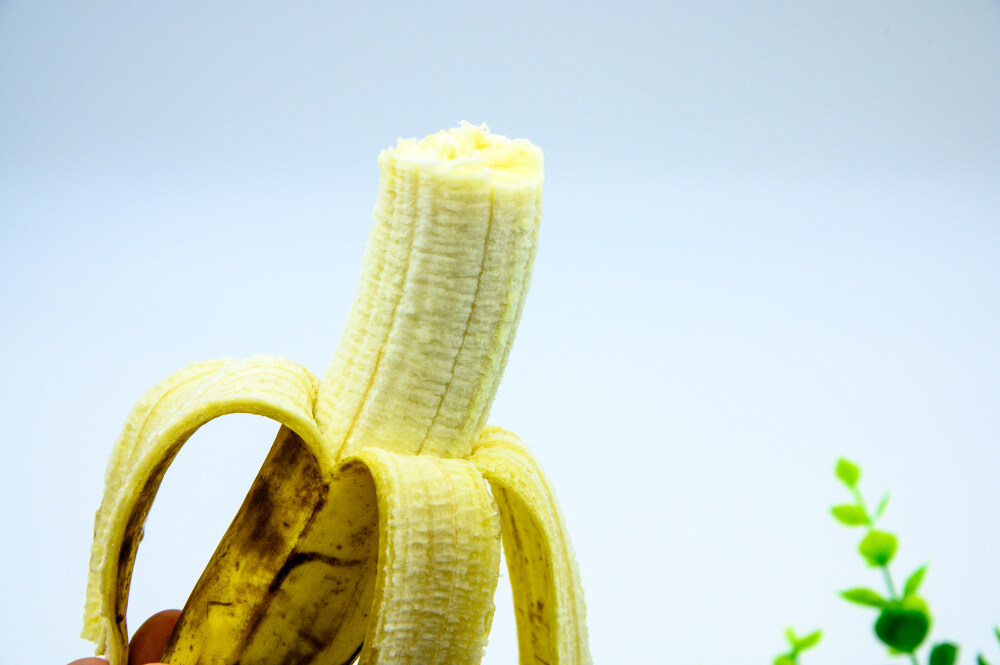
x: 147, y: 644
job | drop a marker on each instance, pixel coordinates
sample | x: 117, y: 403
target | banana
x: 373, y: 529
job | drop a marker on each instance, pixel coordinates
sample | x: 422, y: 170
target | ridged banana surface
x: 373, y: 530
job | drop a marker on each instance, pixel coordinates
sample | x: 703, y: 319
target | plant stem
x: 860, y: 501
x: 888, y: 582
x: 886, y: 575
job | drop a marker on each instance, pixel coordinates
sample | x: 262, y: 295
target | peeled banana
x: 373, y: 530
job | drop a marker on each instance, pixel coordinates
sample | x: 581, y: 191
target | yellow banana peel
x: 373, y: 530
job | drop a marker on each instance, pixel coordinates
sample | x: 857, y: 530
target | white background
x: 771, y: 238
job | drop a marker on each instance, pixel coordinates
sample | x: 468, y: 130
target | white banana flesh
x: 373, y: 529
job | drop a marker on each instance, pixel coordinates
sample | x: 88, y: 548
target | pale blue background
x: 771, y: 238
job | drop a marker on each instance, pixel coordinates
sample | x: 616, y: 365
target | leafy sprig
x: 796, y: 646
x: 904, y: 619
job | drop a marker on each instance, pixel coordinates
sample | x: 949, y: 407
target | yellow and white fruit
x: 373, y: 529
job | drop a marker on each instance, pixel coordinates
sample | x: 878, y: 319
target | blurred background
x: 772, y: 237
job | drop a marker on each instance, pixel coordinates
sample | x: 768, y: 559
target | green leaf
x: 902, y: 629
x: 996, y: 631
x: 881, y: 507
x: 914, y: 580
x: 878, y: 547
x: 944, y: 653
x: 865, y: 597
x: 915, y: 603
x: 809, y: 641
x: 791, y: 636
x: 848, y: 472
x: 850, y: 515
x: 784, y: 660
x: 981, y: 661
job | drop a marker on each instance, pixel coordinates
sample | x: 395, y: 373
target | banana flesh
x: 373, y: 529
x: 445, y: 274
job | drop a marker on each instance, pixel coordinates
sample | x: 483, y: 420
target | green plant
x: 904, y: 618
x: 796, y: 646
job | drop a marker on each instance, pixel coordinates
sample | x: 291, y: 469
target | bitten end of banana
x: 474, y: 152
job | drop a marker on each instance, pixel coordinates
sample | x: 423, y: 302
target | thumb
x: 147, y: 645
